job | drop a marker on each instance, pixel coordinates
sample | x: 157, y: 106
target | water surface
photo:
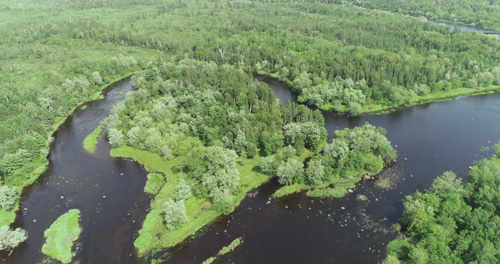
x: 108, y: 192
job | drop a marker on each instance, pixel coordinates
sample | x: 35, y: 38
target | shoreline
x: 11, y: 217
x: 383, y: 109
x: 200, y: 211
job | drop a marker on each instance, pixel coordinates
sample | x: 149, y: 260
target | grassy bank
x: 61, y: 235
x: 430, y: 98
x: 419, y: 100
x: 153, y: 234
x: 229, y: 248
x: 91, y: 140
x: 336, y: 188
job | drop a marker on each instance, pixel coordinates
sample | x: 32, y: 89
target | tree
x: 288, y: 152
x: 302, y: 81
x: 251, y: 150
x: 355, y: 109
x: 11, y: 163
x: 338, y: 149
x: 290, y: 171
x: 240, y: 142
x: 183, y: 191
x: 312, y: 135
x: 115, y: 137
x: 273, y: 144
x: 268, y: 165
x: 391, y: 260
x: 486, y: 78
x: 418, y: 255
x: 10, y: 239
x: 96, y: 78
x: 175, y: 214
x: 448, y: 183
x: 219, y: 174
x: 8, y: 197
x: 315, y: 172
x: 112, y: 121
x: 133, y: 135
x: 291, y: 131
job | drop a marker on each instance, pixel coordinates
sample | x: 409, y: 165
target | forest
x: 452, y: 222
x: 481, y: 13
x: 199, y: 122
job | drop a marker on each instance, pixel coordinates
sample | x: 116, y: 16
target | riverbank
x: 431, y: 98
x: 382, y: 109
x: 336, y: 188
x: 9, y: 217
x: 153, y: 234
x: 436, y: 19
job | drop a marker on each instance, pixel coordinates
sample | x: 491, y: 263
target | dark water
x: 108, y: 192
x: 430, y: 139
x: 465, y: 28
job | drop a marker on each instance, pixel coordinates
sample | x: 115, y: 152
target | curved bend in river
x: 108, y: 192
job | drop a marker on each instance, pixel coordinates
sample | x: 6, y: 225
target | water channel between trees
x: 430, y: 139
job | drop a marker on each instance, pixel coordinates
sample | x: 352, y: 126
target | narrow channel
x: 108, y: 191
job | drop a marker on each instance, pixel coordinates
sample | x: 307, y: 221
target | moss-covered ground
x: 61, y: 235
x: 90, y: 141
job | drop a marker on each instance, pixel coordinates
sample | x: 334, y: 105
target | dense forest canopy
x: 481, y: 13
x: 333, y: 51
x: 337, y: 56
x: 453, y: 222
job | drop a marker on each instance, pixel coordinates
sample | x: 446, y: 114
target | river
x: 108, y: 191
x: 466, y: 28
x: 430, y: 139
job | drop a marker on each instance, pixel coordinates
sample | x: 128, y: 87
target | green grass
x: 383, y: 183
x: 209, y: 260
x: 154, y: 183
x: 229, y: 248
x: 153, y: 234
x: 335, y: 192
x: 432, y: 97
x: 61, y: 235
x: 91, y: 140
x: 289, y: 189
x: 400, y: 247
x: 7, y: 217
